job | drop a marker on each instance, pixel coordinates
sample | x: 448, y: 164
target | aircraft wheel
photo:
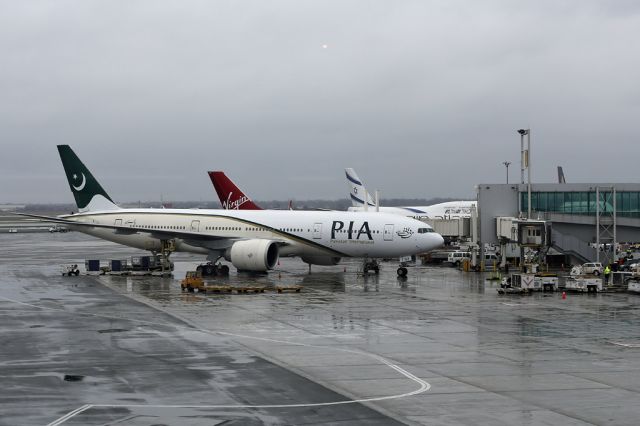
x: 402, y: 271
x: 224, y: 270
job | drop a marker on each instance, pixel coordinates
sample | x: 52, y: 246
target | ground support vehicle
x: 517, y: 283
x: 70, y: 270
x: 633, y: 282
x: 150, y: 265
x: 633, y: 285
x: 546, y: 282
x: 583, y: 283
x: 193, y: 281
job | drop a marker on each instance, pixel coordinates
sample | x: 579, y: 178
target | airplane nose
x: 439, y: 240
x: 431, y: 241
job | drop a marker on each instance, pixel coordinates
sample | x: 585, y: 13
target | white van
x: 592, y: 268
x: 491, y: 259
x: 457, y: 257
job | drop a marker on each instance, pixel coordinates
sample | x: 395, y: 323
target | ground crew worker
x: 607, y: 273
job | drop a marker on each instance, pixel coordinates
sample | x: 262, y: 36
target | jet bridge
x: 451, y: 228
x: 527, y: 233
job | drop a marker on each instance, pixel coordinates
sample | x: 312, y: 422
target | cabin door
x: 388, y: 232
x: 317, y: 231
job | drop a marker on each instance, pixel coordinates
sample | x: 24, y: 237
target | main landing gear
x: 370, y: 265
x: 374, y: 266
x: 212, y: 269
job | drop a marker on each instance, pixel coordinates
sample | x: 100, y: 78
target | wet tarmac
x: 441, y: 348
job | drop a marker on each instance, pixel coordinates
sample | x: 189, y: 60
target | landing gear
x: 370, y: 265
x: 211, y: 269
x: 402, y: 271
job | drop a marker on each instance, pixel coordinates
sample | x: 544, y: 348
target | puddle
x: 112, y: 330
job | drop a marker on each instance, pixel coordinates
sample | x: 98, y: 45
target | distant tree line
x: 341, y: 204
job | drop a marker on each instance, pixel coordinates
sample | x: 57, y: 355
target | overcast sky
x: 422, y: 98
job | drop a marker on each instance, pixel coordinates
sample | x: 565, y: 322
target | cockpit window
x: 424, y: 230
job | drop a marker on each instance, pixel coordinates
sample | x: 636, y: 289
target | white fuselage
x: 446, y: 210
x: 300, y: 233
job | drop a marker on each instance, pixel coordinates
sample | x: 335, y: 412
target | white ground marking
x: 424, y: 386
x: 627, y: 345
x: 518, y: 304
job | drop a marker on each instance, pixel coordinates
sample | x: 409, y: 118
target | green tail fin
x: 87, y: 191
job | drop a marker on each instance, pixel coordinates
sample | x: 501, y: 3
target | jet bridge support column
x: 503, y: 253
x: 475, y: 237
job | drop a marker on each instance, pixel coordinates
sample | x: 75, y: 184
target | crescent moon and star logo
x: 82, y: 184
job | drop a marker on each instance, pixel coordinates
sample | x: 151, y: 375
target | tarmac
x: 440, y: 348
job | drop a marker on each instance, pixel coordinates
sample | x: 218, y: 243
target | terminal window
x: 583, y: 203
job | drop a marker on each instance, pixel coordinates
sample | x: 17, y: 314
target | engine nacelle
x: 321, y: 260
x: 253, y: 255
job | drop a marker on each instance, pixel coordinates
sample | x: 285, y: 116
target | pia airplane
x: 446, y: 210
x: 252, y: 240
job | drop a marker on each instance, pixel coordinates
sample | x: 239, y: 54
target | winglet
x: 231, y: 197
x: 87, y: 191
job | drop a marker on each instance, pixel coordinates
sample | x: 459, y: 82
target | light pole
x: 526, y: 161
x: 507, y: 164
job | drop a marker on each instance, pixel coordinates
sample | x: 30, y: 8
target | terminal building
x: 584, y: 221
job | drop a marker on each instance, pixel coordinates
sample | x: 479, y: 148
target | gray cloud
x: 422, y: 98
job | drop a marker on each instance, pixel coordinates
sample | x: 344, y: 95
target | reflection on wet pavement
x: 489, y: 359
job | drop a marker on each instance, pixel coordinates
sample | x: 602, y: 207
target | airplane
x: 252, y: 240
x: 231, y: 197
x: 446, y: 210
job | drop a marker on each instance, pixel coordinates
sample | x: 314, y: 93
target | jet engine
x: 253, y: 255
x: 321, y: 260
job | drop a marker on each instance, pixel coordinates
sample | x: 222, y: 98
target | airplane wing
x: 208, y: 241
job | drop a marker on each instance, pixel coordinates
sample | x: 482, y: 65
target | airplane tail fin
x: 231, y: 197
x: 561, y: 178
x: 87, y: 191
x: 357, y: 191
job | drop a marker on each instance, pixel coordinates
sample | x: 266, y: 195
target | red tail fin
x: 230, y: 195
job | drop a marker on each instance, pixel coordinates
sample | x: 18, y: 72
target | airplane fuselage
x: 299, y: 233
